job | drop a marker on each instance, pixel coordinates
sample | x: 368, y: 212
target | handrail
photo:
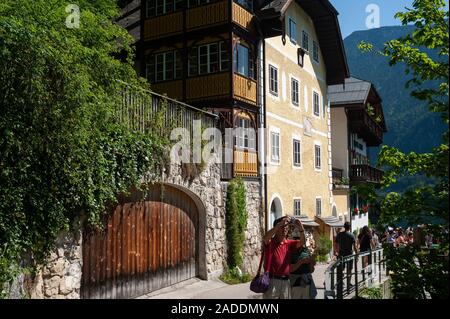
x: 337, y: 274
x: 169, y: 99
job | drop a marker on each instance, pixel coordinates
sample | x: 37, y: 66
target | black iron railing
x: 348, y: 275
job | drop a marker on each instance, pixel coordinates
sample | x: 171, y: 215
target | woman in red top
x: 278, y: 252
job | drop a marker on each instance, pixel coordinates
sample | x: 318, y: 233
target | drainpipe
x: 263, y: 125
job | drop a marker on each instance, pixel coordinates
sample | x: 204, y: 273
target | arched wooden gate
x: 147, y: 245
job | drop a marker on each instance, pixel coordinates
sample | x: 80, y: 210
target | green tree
x: 64, y: 152
x: 412, y: 267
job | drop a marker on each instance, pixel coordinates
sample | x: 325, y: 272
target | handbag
x: 260, y: 283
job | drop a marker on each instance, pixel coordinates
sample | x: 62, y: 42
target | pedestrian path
x: 215, y: 289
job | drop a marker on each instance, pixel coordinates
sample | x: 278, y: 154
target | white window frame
x: 274, y: 93
x: 277, y: 131
x: 316, y: 52
x: 314, y: 94
x: 208, y: 58
x: 244, y: 134
x: 296, y: 137
x: 299, y: 199
x: 321, y: 206
x: 296, y: 106
x: 317, y: 144
x: 293, y: 38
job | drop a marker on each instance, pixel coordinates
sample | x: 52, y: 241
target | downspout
x: 264, y: 135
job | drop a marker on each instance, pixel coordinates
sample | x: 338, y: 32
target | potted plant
x: 355, y: 211
x: 365, y: 209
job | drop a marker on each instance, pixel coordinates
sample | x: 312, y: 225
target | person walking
x: 346, y: 246
x: 278, y: 255
x: 366, y: 245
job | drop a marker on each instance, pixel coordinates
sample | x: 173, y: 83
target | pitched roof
x: 354, y: 91
x: 324, y: 17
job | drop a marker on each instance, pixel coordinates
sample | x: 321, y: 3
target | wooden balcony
x: 362, y: 124
x: 163, y: 26
x: 208, y: 86
x: 244, y: 89
x: 173, y: 89
x: 365, y: 174
x: 245, y: 164
x: 242, y: 17
x: 207, y: 15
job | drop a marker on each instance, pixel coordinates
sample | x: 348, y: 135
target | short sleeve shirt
x: 365, y: 243
x: 280, y: 255
x: 345, y: 240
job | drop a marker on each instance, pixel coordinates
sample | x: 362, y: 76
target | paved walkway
x: 216, y: 289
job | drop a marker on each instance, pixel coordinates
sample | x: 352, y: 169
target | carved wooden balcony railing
x: 365, y: 173
x: 362, y: 124
x: 245, y: 164
x: 244, y: 89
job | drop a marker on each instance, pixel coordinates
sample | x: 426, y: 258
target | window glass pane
x: 151, y: 69
x: 273, y: 79
x: 193, y: 60
x: 248, y: 4
x: 203, y: 59
x: 316, y: 103
x: 179, y: 4
x: 251, y: 66
x: 275, y: 147
x: 169, y: 66
x: 305, y: 41
x: 224, y: 56
x: 317, y: 156
x: 160, y: 7
x: 297, y: 207
x: 178, y: 65
x: 292, y: 31
x: 150, y: 8
x: 242, y: 60
x: 295, y: 91
x: 318, y: 207
x: 315, y: 51
x: 296, y: 152
x: 168, y: 6
x: 213, y: 58
x: 159, y: 67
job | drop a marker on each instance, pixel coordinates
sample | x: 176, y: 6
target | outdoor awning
x: 306, y: 221
x: 332, y: 221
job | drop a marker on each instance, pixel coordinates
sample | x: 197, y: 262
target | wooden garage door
x: 147, y: 245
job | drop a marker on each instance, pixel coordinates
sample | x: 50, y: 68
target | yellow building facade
x: 298, y: 154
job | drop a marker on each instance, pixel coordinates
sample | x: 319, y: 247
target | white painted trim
x: 275, y: 195
x: 287, y: 121
x: 311, y: 73
x: 319, y: 133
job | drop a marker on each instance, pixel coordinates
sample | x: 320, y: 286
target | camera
x: 292, y: 220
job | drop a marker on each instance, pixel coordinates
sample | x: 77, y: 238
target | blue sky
x: 352, y: 13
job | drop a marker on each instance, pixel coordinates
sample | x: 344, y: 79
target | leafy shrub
x: 323, y: 248
x: 236, y: 222
x: 234, y: 276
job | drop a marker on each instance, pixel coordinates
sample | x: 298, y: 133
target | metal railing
x: 348, y: 275
x: 140, y: 107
